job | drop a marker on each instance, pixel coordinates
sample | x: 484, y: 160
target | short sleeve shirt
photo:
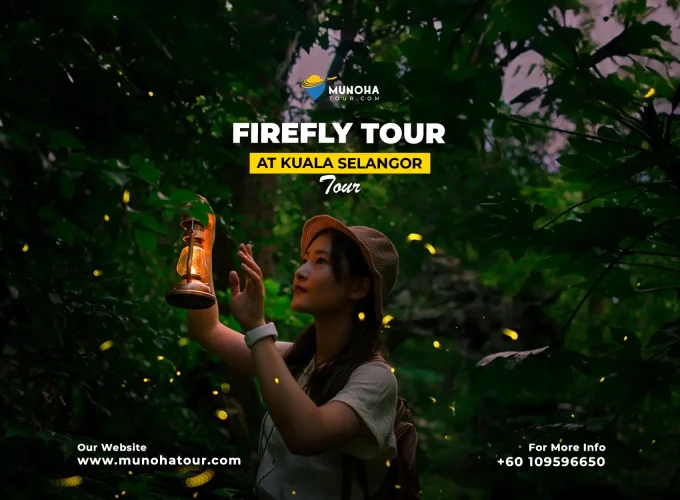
x: 372, y: 392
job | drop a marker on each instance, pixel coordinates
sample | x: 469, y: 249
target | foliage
x: 114, y: 116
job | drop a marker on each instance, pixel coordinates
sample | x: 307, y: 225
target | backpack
x: 402, y: 481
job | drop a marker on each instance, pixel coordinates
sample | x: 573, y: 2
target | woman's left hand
x: 247, y: 306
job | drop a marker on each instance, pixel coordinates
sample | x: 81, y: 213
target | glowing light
x: 150, y: 94
x: 25, y: 247
x: 397, y: 486
x: 625, y: 339
x: 650, y: 93
x: 171, y: 380
x: 572, y: 416
x: 430, y: 248
x: 97, y: 272
x: 160, y: 358
x: 146, y: 380
x: 123, y: 492
x: 362, y: 316
x: 221, y: 414
x: 115, y: 496
x: 126, y: 196
x: 293, y: 492
x: 178, y: 373
x: 453, y: 409
x: 602, y: 379
x: 200, y: 479
x: 510, y: 333
x: 393, y: 369
x: 215, y: 393
x: 106, y: 345
x: 184, y: 341
x: 387, y: 318
x: 433, y: 399
x: 436, y: 344
x: 69, y: 482
x: 107, y: 218
x: 653, y: 441
x: 195, y: 495
x: 387, y: 462
x: 276, y: 380
x: 447, y: 437
x: 414, y: 237
x: 225, y: 387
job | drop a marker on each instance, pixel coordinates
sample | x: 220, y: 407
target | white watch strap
x: 268, y: 330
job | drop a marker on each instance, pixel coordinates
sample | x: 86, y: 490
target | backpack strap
x: 347, y: 462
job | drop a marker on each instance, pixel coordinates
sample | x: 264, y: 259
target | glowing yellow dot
x: 387, y: 318
x: 123, y: 492
x: 650, y: 93
x: 115, y: 496
x: 414, y: 237
x: 122, y: 385
x: 362, y: 316
x: 97, y: 272
x: 489, y: 444
x: 430, y: 248
x: 225, y: 387
x: 397, y: 486
x: 560, y: 440
x: 146, y: 379
x: 171, y: 380
x: 215, y: 393
x: 195, y: 495
x: 446, y: 437
x: 106, y: 218
x: 221, y: 414
x: 178, y: 373
x: 276, y: 380
x: 625, y: 338
x: 387, y: 463
x: 510, y: 333
x: 106, y: 345
x: 602, y: 379
x: 150, y: 94
x: 126, y: 196
x: 572, y: 415
x: 653, y: 441
x: 130, y: 472
x: 160, y: 358
x: 453, y: 409
x: 640, y: 450
x: 393, y: 369
x: 25, y: 247
x: 433, y: 399
x: 520, y: 445
x: 293, y: 492
x: 183, y: 341
x: 436, y: 344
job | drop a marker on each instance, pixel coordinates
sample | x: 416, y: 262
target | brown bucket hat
x: 377, y: 249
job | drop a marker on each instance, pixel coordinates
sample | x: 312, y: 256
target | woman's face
x: 316, y: 290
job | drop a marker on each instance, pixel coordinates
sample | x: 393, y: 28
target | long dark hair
x: 365, y: 339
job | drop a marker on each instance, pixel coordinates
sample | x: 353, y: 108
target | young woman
x: 329, y: 394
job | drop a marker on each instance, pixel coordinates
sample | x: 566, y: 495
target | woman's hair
x: 365, y: 339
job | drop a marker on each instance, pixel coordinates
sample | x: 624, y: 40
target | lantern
x: 193, y: 292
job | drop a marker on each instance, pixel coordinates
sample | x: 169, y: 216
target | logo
x: 315, y: 85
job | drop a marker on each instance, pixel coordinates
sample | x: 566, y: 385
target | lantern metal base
x: 193, y: 295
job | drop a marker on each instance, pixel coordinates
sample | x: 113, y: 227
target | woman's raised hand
x: 247, y: 305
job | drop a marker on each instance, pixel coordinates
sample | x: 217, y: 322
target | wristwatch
x: 267, y: 330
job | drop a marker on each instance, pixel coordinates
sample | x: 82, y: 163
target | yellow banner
x: 339, y: 163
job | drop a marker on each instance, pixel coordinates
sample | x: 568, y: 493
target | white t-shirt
x: 372, y: 392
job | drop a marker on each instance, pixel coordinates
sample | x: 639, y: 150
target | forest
x: 538, y: 296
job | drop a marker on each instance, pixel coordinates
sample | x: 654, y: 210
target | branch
x: 653, y: 266
x: 570, y: 132
x: 657, y: 289
x: 476, y: 7
x: 658, y: 254
x: 587, y: 200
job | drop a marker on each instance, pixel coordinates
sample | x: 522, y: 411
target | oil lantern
x: 193, y: 292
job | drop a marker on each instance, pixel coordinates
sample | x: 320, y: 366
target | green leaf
x: 65, y: 231
x: 632, y: 41
x: 146, y: 240
x: 200, y: 211
x: 145, y: 169
x: 62, y: 139
x: 669, y: 332
x: 183, y: 196
x: 149, y: 221
x: 67, y: 186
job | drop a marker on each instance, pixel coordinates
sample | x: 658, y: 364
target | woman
x: 329, y: 394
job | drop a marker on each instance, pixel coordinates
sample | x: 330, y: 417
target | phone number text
x: 552, y: 461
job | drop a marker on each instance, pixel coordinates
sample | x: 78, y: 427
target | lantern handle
x: 191, y: 250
